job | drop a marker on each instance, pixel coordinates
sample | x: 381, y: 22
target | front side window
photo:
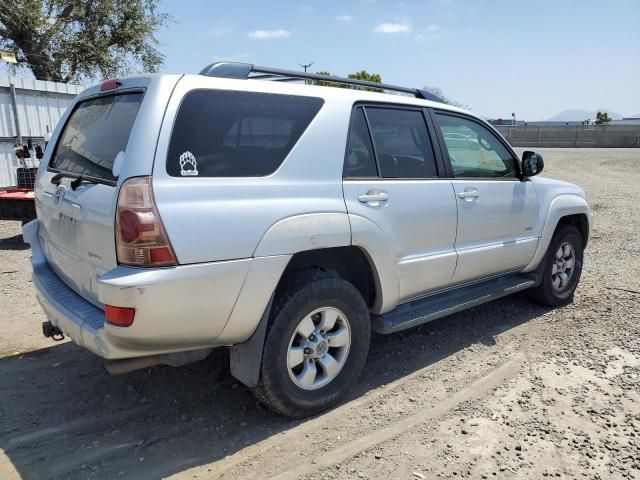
x: 474, y: 150
x: 402, y: 143
x: 219, y: 133
x: 360, y: 160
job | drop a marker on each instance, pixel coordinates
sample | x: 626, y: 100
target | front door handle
x: 469, y: 193
x: 374, y: 197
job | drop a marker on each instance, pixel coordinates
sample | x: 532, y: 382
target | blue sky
x: 532, y: 58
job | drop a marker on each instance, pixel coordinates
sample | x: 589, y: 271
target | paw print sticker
x: 188, y: 165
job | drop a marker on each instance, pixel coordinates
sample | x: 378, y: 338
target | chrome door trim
x: 490, y: 245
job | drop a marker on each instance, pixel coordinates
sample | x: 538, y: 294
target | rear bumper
x: 78, y: 319
x: 181, y: 308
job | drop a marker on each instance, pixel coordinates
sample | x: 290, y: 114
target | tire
x: 553, y: 291
x: 286, y: 389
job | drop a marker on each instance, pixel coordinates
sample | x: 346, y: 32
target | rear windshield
x: 97, y: 131
x: 219, y: 133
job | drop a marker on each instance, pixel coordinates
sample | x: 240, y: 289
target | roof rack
x: 250, y: 71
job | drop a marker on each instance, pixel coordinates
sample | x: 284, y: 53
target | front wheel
x: 316, y: 345
x: 562, y: 268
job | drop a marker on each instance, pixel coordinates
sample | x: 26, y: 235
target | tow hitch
x: 49, y: 330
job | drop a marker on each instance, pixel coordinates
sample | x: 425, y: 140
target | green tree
x: 369, y: 77
x: 602, y: 118
x: 322, y: 83
x: 72, y: 40
x: 361, y: 75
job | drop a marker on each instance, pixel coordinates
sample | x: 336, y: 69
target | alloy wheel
x: 318, y: 348
x: 564, y: 264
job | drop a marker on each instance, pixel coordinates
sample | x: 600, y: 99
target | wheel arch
x: 351, y: 262
x: 578, y: 220
x: 321, y: 232
x: 563, y: 209
x: 299, y: 233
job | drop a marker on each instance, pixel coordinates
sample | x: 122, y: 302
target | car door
x: 391, y: 179
x: 497, y: 211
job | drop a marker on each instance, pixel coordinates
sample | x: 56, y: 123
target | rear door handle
x: 373, y: 198
x: 469, y: 193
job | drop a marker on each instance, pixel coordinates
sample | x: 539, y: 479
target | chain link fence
x: 594, y: 136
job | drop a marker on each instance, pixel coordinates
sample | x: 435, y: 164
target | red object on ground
x: 16, y: 194
x: 17, y: 204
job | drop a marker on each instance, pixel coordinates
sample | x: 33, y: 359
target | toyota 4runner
x: 285, y: 220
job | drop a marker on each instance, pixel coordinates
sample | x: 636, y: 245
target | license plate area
x: 65, y: 228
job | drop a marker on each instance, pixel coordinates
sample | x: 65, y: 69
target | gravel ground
x: 505, y: 390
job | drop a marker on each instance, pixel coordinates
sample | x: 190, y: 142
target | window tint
x: 402, y: 143
x: 221, y: 133
x: 360, y: 161
x: 97, y: 131
x: 474, y: 150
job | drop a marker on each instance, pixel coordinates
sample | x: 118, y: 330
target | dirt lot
x: 506, y: 390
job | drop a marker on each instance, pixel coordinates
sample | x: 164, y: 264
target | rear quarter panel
x: 212, y: 219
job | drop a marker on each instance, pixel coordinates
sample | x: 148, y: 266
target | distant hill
x: 577, y: 114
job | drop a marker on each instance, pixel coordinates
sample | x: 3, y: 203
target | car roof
x: 327, y: 93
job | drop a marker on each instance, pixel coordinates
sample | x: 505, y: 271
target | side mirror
x: 532, y: 163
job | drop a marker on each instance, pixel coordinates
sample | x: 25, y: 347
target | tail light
x: 141, y: 239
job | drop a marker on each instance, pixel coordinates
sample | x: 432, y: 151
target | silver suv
x: 285, y: 220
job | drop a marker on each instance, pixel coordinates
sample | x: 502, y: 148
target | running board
x: 440, y: 305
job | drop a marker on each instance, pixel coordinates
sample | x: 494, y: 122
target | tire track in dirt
x: 476, y: 390
x: 75, y: 427
x: 233, y: 464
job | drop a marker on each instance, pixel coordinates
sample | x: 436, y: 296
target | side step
x: 440, y: 305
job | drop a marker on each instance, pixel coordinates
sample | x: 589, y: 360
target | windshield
x: 95, y: 134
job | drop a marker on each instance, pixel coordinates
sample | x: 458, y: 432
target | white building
x: 39, y: 105
x: 626, y: 121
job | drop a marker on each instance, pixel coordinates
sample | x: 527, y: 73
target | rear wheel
x: 316, y: 345
x: 562, y: 268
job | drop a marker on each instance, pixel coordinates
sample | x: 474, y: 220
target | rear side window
x: 402, y: 143
x: 96, y: 132
x: 360, y: 160
x: 220, y: 133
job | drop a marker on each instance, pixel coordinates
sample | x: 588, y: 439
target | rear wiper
x: 76, y: 183
x: 77, y: 179
x: 59, y: 176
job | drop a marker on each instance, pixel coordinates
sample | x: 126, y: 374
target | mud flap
x: 245, y: 358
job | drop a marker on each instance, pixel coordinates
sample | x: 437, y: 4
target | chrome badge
x: 59, y: 195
